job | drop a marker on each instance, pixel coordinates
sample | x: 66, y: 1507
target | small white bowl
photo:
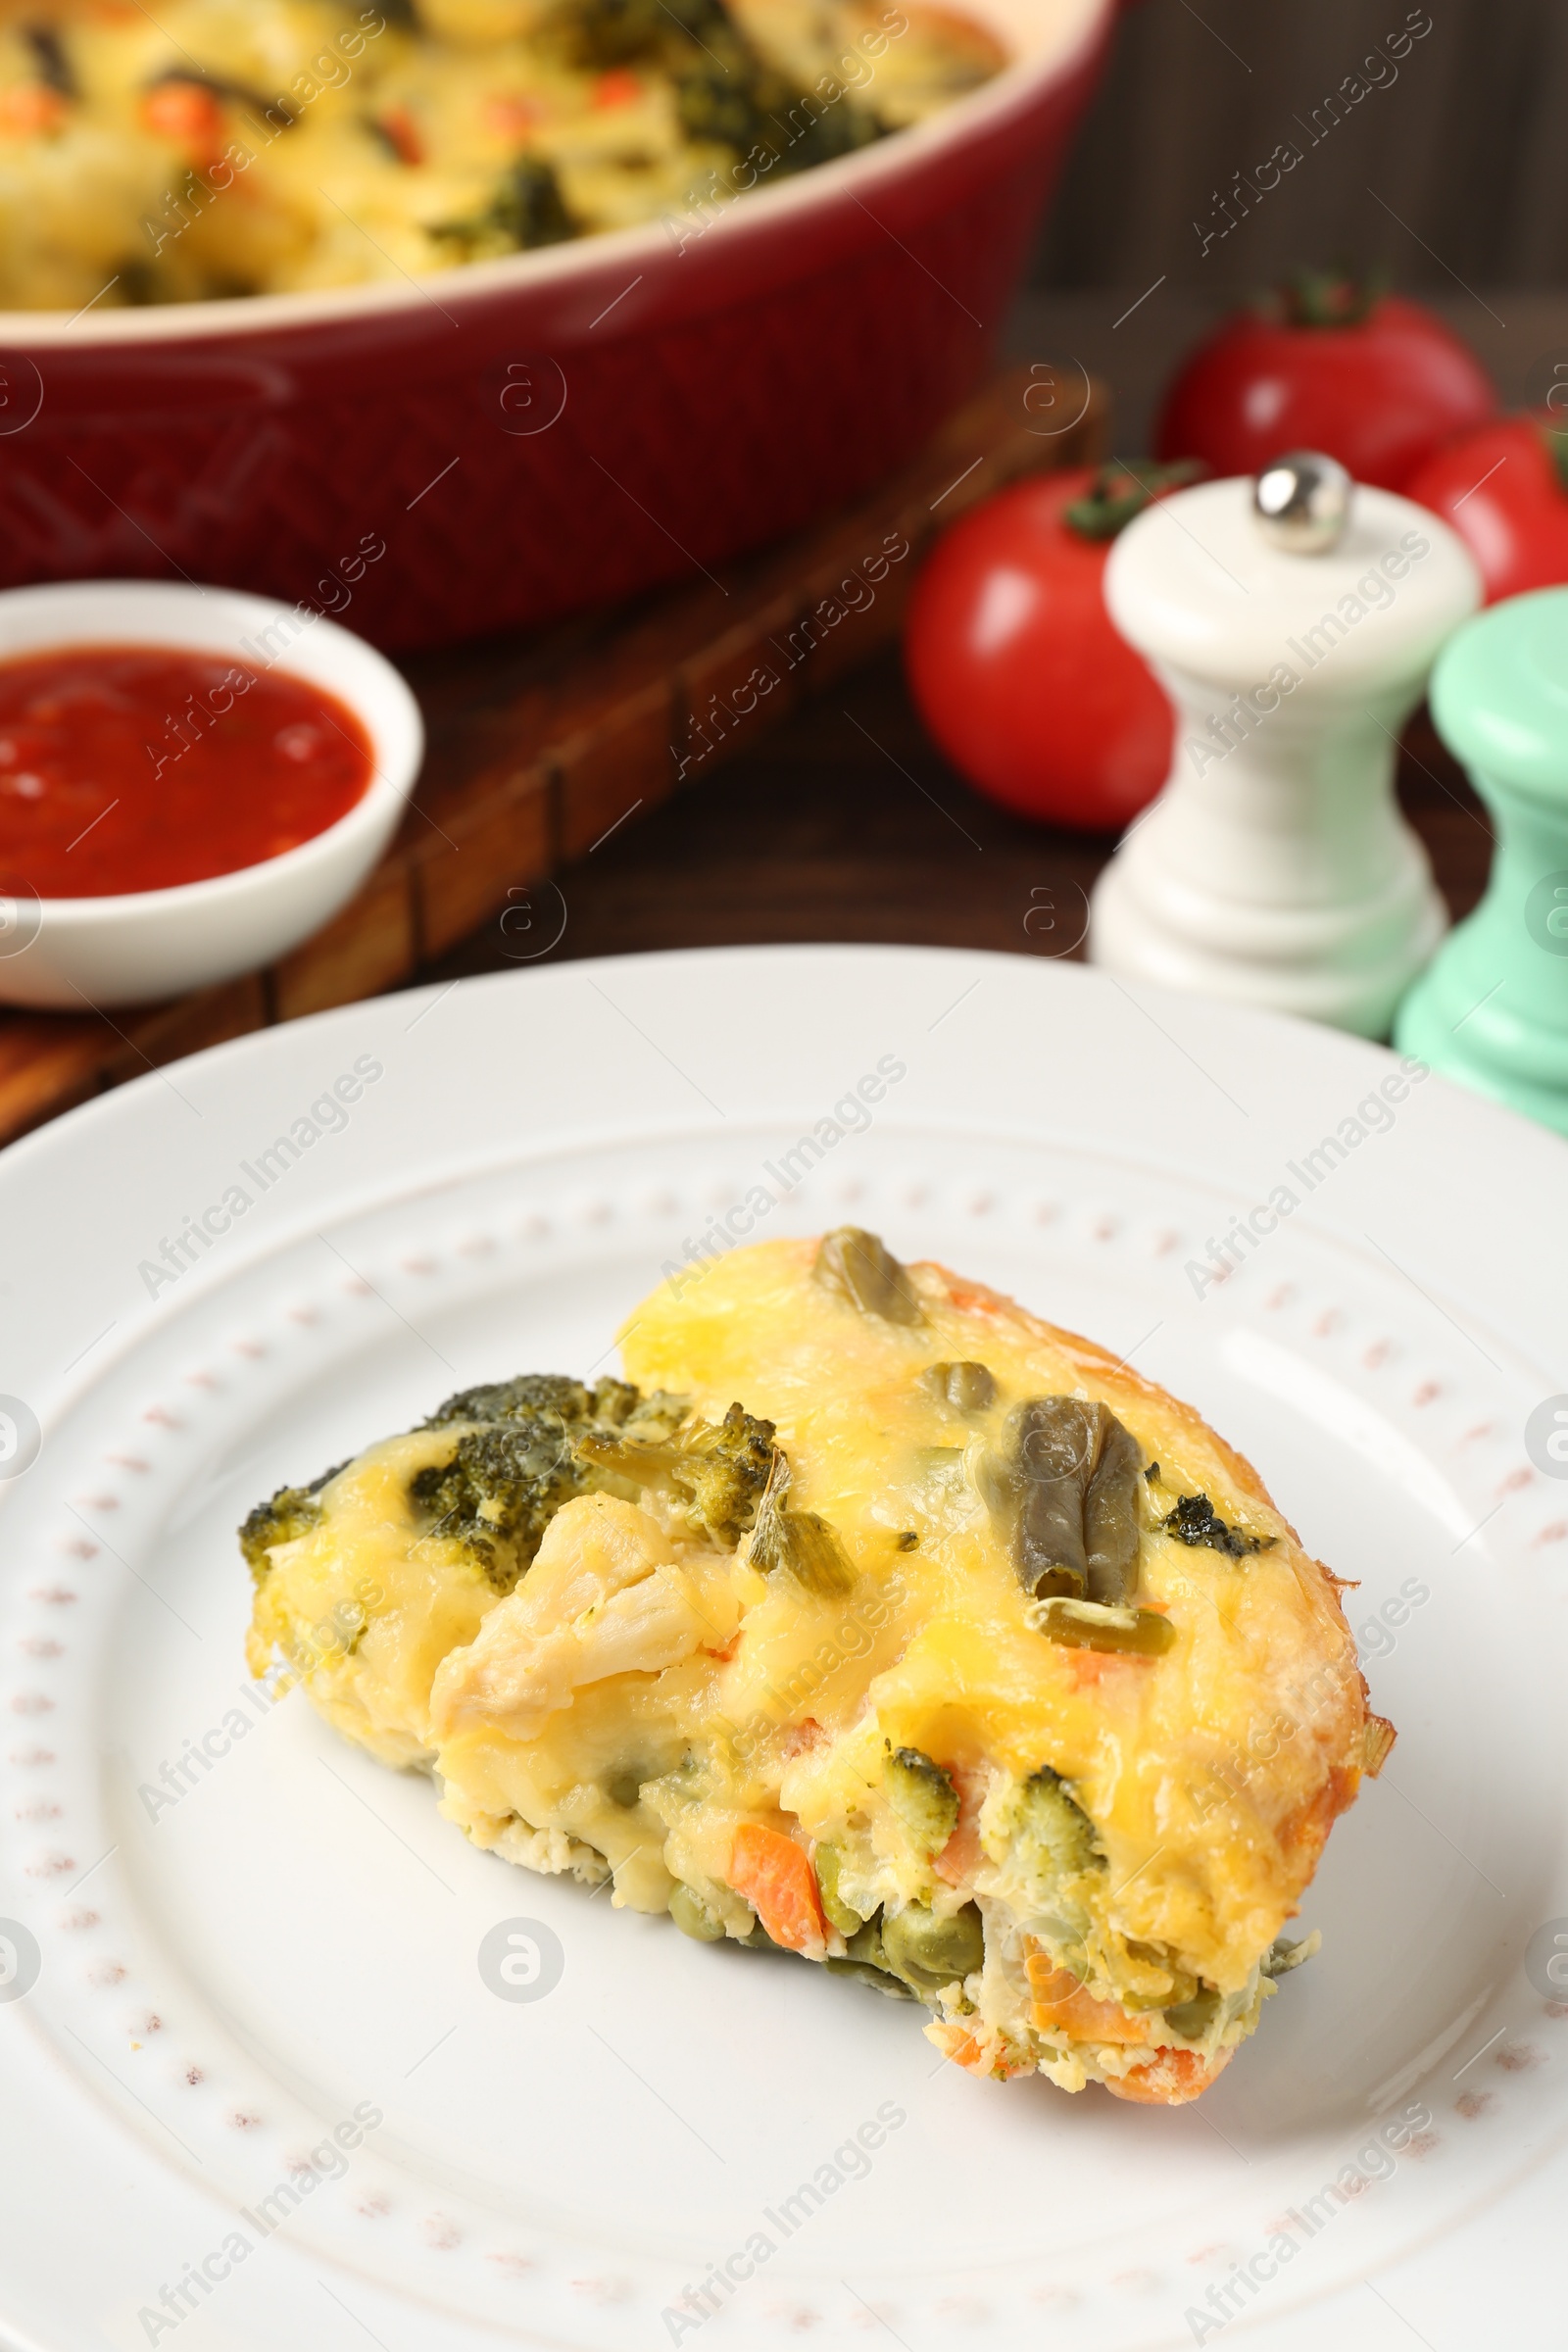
x: 144, y: 945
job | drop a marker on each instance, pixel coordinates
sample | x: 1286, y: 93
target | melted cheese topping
x: 268, y: 146
x: 1130, y: 1832
x: 1263, y: 1668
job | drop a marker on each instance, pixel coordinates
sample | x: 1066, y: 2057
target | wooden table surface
x: 842, y: 822
x: 846, y: 824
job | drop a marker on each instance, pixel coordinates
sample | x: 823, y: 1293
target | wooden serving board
x: 540, y: 746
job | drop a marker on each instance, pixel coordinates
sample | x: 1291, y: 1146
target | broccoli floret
x: 1196, y: 1521
x: 292, y: 1512
x: 527, y: 209
x: 723, y: 1472
x: 726, y: 91
x: 748, y: 105
x: 922, y: 1795
x: 1053, y: 1837
x: 500, y: 1491
x: 518, y: 1454
x: 542, y: 1441
x: 533, y: 1393
x: 719, y: 1473
x: 509, y: 1476
x: 828, y: 1862
x: 596, y: 35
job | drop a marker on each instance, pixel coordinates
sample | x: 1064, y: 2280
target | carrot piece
x: 401, y: 134
x: 970, y: 1301
x: 984, y: 2054
x: 963, y: 1853
x: 776, y: 1878
x: 27, y: 108
x: 1170, y: 2078
x: 512, y: 118
x: 616, y: 88
x: 1060, y: 2005
x: 188, y: 115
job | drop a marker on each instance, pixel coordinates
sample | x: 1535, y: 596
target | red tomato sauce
x: 127, y: 767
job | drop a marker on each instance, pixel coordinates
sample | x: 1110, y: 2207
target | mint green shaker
x: 1491, y: 1009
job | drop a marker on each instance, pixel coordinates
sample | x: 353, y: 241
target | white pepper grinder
x: 1292, y: 620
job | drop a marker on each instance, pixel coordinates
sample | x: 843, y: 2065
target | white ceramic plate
x: 225, y: 1977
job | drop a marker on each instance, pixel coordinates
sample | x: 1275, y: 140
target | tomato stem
x: 1310, y: 298
x: 1122, y: 490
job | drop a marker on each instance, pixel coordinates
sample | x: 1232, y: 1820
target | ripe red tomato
x: 1014, y: 664
x: 1504, y: 489
x: 1374, y: 381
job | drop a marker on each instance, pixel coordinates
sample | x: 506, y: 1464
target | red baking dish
x: 497, y: 445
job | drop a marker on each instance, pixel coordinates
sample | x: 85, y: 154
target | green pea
x: 1193, y: 2019
x: 864, y: 1270
x: 1184, y: 1985
x: 864, y: 1958
x: 693, y: 1917
x: 968, y: 1387
x: 928, y: 1951
x: 625, y: 1786
x: 877, y: 1977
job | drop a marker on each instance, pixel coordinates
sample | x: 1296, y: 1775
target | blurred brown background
x: 1468, y: 147
x: 845, y: 823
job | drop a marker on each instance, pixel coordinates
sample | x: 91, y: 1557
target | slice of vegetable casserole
x: 877, y: 1621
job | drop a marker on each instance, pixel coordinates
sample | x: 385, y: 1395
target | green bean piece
x: 862, y: 1269
x: 929, y: 1952
x: 1193, y: 2019
x: 1072, y: 1472
x: 1111, y: 1524
x: 693, y: 1917
x: 922, y: 1795
x: 842, y: 1916
x: 1052, y: 1443
x: 968, y: 1387
x: 1090, y: 1624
